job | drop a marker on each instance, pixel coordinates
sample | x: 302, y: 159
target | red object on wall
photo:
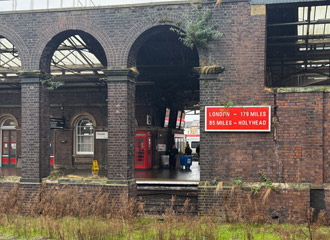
x: 238, y: 119
x: 9, y: 148
x: 143, y: 150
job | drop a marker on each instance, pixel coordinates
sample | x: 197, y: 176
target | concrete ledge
x: 249, y: 185
x: 30, y: 180
x: 10, y: 179
x: 303, y: 89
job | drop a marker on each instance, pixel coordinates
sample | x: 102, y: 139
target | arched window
x: 84, y: 136
x: 8, y: 124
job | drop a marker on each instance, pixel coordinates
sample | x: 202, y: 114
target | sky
x: 8, y: 5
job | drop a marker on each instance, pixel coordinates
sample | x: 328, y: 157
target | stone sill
x: 10, y: 179
x: 280, y: 186
x: 225, y: 185
x: 303, y: 89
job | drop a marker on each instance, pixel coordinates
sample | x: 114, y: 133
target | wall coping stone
x: 30, y: 180
x: 10, y: 179
x: 303, y: 89
x: 82, y: 181
x: 249, y: 185
x: 107, y: 182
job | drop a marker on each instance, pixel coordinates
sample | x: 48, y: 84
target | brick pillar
x: 121, y: 124
x: 206, y: 195
x: 205, y: 84
x: 35, y: 128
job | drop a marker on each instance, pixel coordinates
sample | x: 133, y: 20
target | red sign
x: 182, y: 120
x: 238, y: 119
x: 178, y: 119
x: 167, y: 117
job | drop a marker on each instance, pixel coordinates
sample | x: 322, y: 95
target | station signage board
x: 57, y: 123
x: 178, y: 119
x: 101, y: 135
x: 238, y: 119
x: 182, y: 121
x: 167, y: 117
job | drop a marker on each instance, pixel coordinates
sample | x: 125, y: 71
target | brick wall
x: 241, y: 50
x: 237, y: 204
x: 295, y: 151
x: 67, y: 199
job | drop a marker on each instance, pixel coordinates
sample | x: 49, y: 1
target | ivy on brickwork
x: 237, y: 181
x: 267, y: 183
x: 49, y: 81
x: 198, y: 32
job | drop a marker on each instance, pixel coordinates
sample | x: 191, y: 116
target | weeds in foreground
x: 20, y: 227
x: 69, y: 212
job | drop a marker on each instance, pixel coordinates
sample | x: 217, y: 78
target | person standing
x: 173, y: 155
x: 188, y: 150
x: 197, y: 150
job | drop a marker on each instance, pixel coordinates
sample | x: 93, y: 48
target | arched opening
x: 76, y: 59
x: 10, y: 64
x: 74, y: 53
x: 166, y: 87
x: 10, y: 99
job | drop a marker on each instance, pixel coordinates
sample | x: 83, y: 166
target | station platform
x: 163, y: 174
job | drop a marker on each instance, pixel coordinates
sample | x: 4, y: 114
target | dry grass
x: 217, y: 3
x: 69, y: 213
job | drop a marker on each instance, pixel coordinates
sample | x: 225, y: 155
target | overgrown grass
x: 178, y: 227
x: 69, y: 212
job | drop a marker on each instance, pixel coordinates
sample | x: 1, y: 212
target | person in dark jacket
x: 173, y: 155
x: 198, y: 150
x: 188, y: 150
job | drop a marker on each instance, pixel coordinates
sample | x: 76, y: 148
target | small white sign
x: 101, y: 135
x: 161, y: 147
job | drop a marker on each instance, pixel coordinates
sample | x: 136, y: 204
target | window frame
x: 79, y: 136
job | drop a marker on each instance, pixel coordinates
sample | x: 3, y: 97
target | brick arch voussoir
x: 18, y: 42
x: 159, y: 19
x: 71, y: 24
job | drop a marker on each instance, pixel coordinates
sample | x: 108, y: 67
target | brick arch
x: 79, y: 115
x: 19, y: 44
x: 8, y: 115
x: 70, y: 23
x: 133, y: 42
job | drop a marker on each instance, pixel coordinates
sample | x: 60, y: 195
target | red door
x: 140, y: 147
x: 8, y: 148
x: 143, y: 149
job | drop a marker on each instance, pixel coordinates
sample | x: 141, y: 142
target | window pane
x: 13, y: 136
x: 6, y: 136
x: 9, y: 123
x: 5, y: 148
x: 85, y: 136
